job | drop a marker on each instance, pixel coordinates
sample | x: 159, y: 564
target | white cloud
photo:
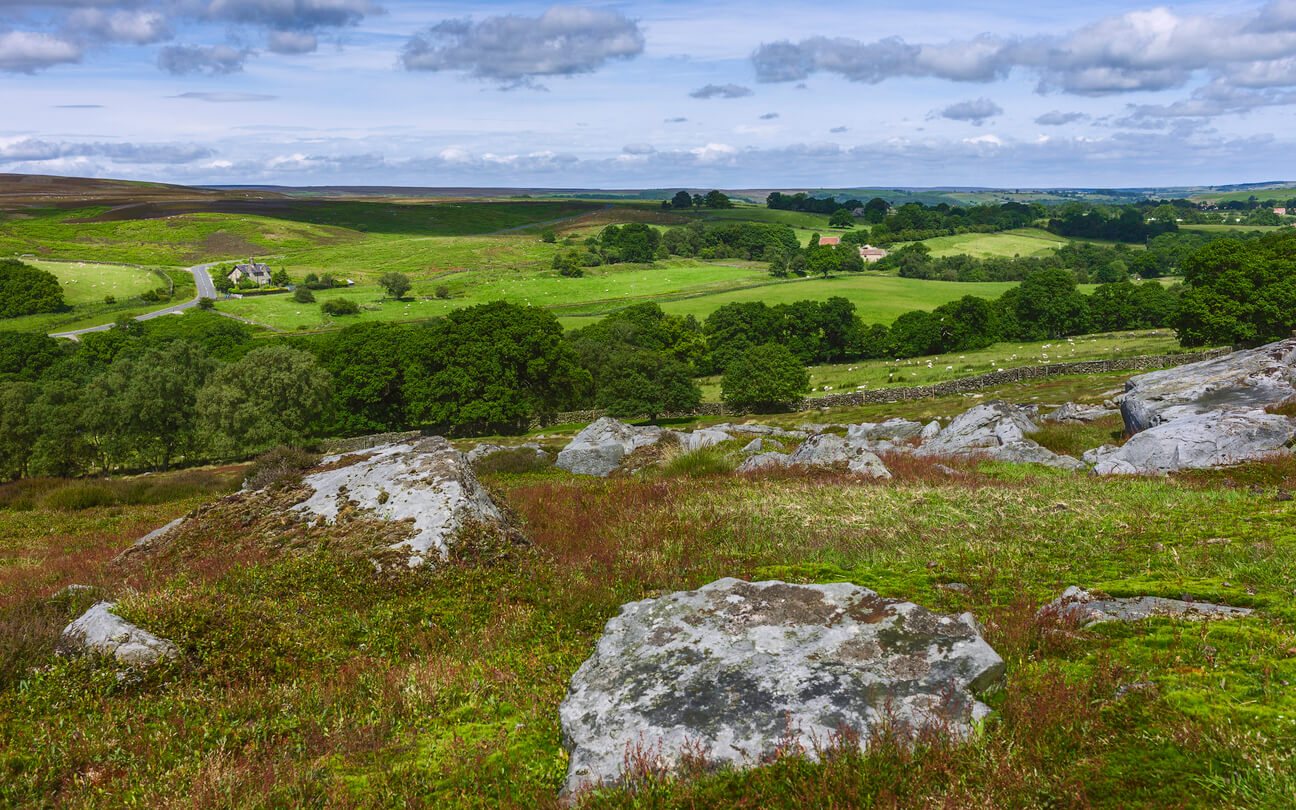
x: 27, y: 52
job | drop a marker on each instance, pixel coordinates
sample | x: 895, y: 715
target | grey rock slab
x: 102, y: 632
x: 733, y: 667
x: 762, y: 445
x: 427, y: 482
x: 158, y: 533
x: 760, y: 430
x: 762, y: 461
x: 1244, y: 380
x: 702, y: 437
x: 930, y: 430
x: 1072, y: 412
x: 1080, y: 605
x: 997, y: 430
x: 483, y: 451
x: 892, y: 430
x: 829, y: 449
x: 598, y: 449
x: 1212, y: 439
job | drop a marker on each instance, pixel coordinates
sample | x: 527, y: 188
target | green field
x: 869, y: 374
x: 86, y: 283
x: 1225, y: 228
x: 1021, y: 242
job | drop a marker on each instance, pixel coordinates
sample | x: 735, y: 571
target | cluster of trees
x: 755, y: 241
x: 913, y: 222
x: 1126, y: 223
x: 779, y: 201
x: 712, y: 199
x: 1239, y: 291
x: 27, y: 290
x: 148, y: 394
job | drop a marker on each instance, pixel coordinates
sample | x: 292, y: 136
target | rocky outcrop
x: 1242, y: 380
x: 892, y: 430
x: 830, y: 450
x: 1211, y: 439
x: 763, y: 461
x: 762, y: 445
x: 101, y: 632
x: 1079, y: 605
x: 598, y: 449
x: 1071, y: 412
x: 702, y: 437
x: 484, y: 451
x: 737, y: 670
x: 998, y: 430
x: 427, y: 483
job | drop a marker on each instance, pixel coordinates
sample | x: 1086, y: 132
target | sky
x: 650, y: 93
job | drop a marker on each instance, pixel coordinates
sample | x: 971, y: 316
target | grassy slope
x: 85, y: 283
x: 310, y: 679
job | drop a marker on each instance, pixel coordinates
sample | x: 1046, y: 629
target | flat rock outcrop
x: 829, y: 449
x: 998, y: 430
x: 702, y: 437
x: 598, y: 449
x: 484, y: 451
x: 892, y: 430
x: 734, y: 668
x: 426, y: 482
x: 1072, y: 412
x: 101, y: 632
x: 1211, y: 439
x: 1080, y: 605
x: 1243, y: 380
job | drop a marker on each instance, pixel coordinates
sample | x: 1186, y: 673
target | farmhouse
x: 259, y: 273
x: 871, y: 254
x: 1282, y: 212
x: 830, y: 240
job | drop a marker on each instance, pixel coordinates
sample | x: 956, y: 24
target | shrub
x: 206, y: 303
x: 340, y: 306
x: 110, y: 300
x: 303, y: 295
x: 442, y: 291
x: 81, y: 496
x: 280, y: 466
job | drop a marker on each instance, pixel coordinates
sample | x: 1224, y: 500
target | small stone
x: 1283, y: 495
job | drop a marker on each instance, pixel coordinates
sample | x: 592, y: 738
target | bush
x: 206, y: 303
x: 280, y: 466
x: 442, y: 291
x: 340, y: 306
x: 303, y: 295
x: 81, y: 496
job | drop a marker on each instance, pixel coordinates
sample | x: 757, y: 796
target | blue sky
x: 650, y: 94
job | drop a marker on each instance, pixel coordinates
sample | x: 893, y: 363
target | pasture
x: 1006, y: 244
x: 86, y: 282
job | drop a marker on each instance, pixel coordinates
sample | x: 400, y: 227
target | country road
x: 202, y: 281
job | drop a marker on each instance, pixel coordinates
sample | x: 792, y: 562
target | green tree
x: 222, y: 283
x: 1239, y: 292
x: 19, y: 427
x: 274, y: 396
x: 160, y: 401
x: 370, y: 364
x: 26, y: 290
x: 23, y: 355
x: 340, y: 306
x: 396, y: 284
x: 821, y: 259
x: 841, y: 218
x: 682, y: 199
x: 1050, y: 305
x: 61, y: 449
x: 764, y: 378
x: 548, y: 236
x: 280, y: 277
x: 875, y: 210
x: 303, y: 295
x: 716, y: 199
x: 643, y: 383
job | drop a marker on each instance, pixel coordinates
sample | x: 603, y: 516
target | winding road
x: 202, y: 281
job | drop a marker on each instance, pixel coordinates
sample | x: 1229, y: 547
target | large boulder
x: 892, y: 430
x: 599, y: 448
x: 101, y: 632
x: 1073, y: 412
x: 830, y: 450
x: 484, y: 451
x: 998, y: 430
x: 1087, y: 609
x: 702, y: 437
x: 763, y: 461
x: 1242, y: 380
x: 1212, y: 439
x: 427, y: 483
x: 737, y: 670
x: 747, y: 429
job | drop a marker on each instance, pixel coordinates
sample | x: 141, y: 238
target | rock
x: 760, y: 430
x: 997, y: 430
x: 1211, y: 439
x: 156, y: 535
x: 930, y: 430
x: 599, y: 448
x: 762, y: 461
x: 702, y: 437
x: 426, y: 482
x: 811, y: 429
x: 100, y: 632
x: 1242, y: 380
x: 955, y: 587
x: 736, y: 668
x: 759, y: 445
x: 483, y: 451
x: 829, y: 449
x: 1071, y: 412
x: 892, y: 430
x: 1080, y: 605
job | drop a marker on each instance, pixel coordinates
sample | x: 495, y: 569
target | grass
x: 87, y: 283
x: 865, y: 374
x: 1020, y: 242
x: 310, y: 679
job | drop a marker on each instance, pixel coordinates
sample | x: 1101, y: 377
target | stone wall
x: 357, y: 443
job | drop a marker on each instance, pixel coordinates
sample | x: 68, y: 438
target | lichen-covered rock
x: 763, y: 461
x: 930, y: 430
x: 1081, y: 606
x: 762, y: 445
x: 736, y: 668
x: 760, y: 430
x: 101, y: 632
x: 484, y: 451
x: 829, y: 449
x: 998, y: 430
x: 1072, y: 412
x: 702, y: 437
x: 892, y: 430
x: 598, y: 449
x: 1211, y: 439
x: 1242, y: 380
x: 426, y: 482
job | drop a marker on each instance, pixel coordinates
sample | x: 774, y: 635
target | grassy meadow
x: 308, y: 678
x: 87, y: 283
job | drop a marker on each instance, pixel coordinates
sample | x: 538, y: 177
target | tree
x: 23, y: 355
x: 1050, y: 306
x: 222, y: 283
x: 547, y: 236
x: 568, y: 264
x: 19, y: 427
x: 280, y: 278
x: 821, y: 259
x: 340, y: 306
x: 303, y: 295
x: 370, y: 364
x: 206, y: 303
x: 396, y: 284
x: 841, y: 218
x: 716, y: 199
x: 764, y: 378
x: 160, y: 401
x: 273, y: 396
x: 875, y: 210
x: 61, y: 449
x: 26, y: 290
x: 682, y: 199
x: 639, y: 383
x: 1239, y: 292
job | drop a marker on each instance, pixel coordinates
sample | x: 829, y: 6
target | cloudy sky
x: 652, y: 93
